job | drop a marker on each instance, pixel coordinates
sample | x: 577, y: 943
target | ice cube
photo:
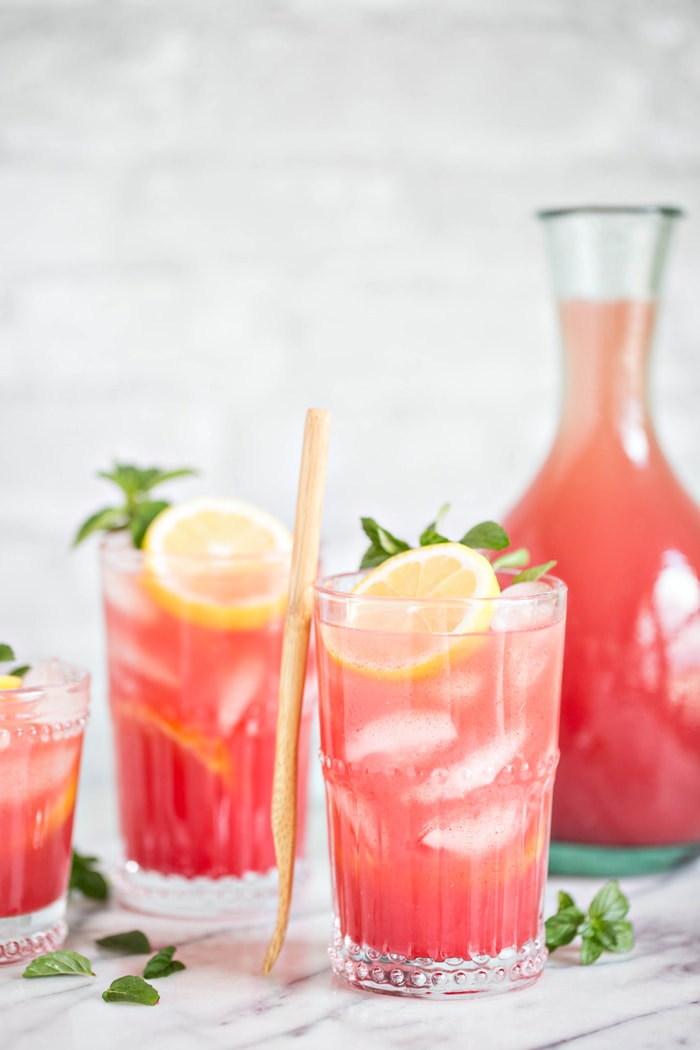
x: 488, y: 828
x: 237, y: 691
x: 476, y: 769
x: 521, y: 613
x: 138, y: 661
x: 405, y: 738
x: 125, y: 592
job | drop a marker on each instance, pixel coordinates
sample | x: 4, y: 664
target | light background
x: 217, y: 213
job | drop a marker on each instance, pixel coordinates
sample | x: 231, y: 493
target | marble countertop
x: 647, y: 999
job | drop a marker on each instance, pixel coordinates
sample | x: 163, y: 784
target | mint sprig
x: 138, y: 510
x: 486, y: 535
x: 85, y: 879
x: 8, y: 653
x: 604, y: 929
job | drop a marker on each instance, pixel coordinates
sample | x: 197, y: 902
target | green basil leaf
x: 61, y: 963
x: 162, y: 964
x: 20, y: 671
x: 6, y: 652
x: 131, y: 990
x: 132, y: 942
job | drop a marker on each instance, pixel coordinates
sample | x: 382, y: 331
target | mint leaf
x: 138, y: 509
x: 84, y: 879
x: 511, y: 559
x: 6, y: 652
x: 142, y: 517
x: 609, y: 902
x: 382, y: 544
x: 487, y: 535
x: 591, y: 949
x: 603, y: 929
x: 162, y: 964
x: 563, y: 927
x: 533, y: 573
x: 20, y: 671
x: 131, y: 990
x: 109, y: 519
x: 55, y: 964
x: 132, y: 942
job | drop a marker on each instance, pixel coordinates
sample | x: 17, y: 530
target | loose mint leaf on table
x: 131, y: 990
x: 61, y: 963
x: 604, y: 929
x: 138, y: 509
x: 84, y: 879
x: 132, y: 942
x: 162, y: 964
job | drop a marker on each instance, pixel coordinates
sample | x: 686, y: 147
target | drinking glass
x: 439, y: 750
x: 42, y: 722
x: 194, y: 650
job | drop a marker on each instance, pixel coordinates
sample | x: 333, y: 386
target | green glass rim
x: 666, y: 211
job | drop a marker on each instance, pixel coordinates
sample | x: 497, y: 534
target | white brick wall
x: 215, y: 214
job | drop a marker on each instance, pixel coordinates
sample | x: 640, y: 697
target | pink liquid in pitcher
x: 627, y: 542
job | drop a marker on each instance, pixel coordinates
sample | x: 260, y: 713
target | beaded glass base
x: 23, y: 937
x: 252, y: 898
x: 391, y: 974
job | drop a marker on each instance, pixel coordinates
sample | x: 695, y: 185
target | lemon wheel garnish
x: 416, y: 602
x: 10, y: 681
x: 220, y: 563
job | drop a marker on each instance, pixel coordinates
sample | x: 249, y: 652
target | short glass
x: 41, y: 736
x: 439, y: 750
x: 194, y: 651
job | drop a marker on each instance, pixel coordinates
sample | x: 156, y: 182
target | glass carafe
x: 626, y: 537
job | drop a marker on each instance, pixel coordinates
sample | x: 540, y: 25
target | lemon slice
x: 209, y: 750
x: 10, y: 681
x: 221, y: 563
x: 416, y: 602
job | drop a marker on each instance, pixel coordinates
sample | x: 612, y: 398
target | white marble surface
x: 648, y: 999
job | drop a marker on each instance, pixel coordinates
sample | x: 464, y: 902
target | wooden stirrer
x: 307, y: 531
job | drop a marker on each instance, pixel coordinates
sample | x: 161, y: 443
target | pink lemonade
x: 627, y: 541
x: 438, y: 782
x: 41, y: 735
x: 194, y: 713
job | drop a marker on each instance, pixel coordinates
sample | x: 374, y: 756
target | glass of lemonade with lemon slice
x: 439, y: 687
x: 43, y: 713
x: 194, y: 623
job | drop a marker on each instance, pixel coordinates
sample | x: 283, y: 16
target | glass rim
x: 75, y: 677
x: 321, y: 586
x: 117, y: 551
x: 668, y: 211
